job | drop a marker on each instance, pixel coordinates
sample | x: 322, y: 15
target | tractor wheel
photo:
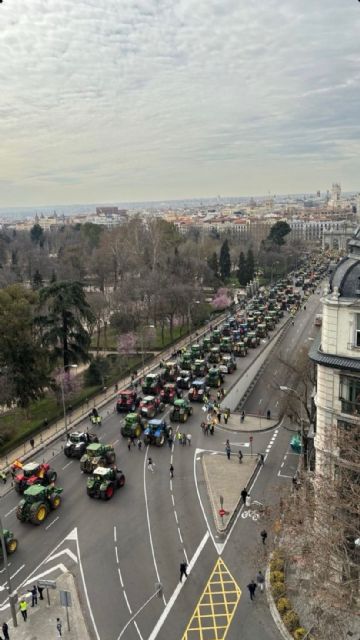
x: 20, y: 513
x: 110, y: 457
x: 51, y: 476
x: 146, y: 441
x: 160, y: 440
x: 218, y: 383
x: 11, y: 546
x: 121, y: 480
x: 67, y: 452
x: 55, y: 501
x: 90, y: 493
x: 38, y: 512
x: 123, y: 432
x: 190, y: 411
x: 18, y: 486
x: 137, y: 432
x: 161, y: 407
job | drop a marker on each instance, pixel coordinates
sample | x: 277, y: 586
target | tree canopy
x: 278, y: 232
x: 225, y: 261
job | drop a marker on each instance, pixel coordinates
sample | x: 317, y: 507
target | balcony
x: 352, y: 408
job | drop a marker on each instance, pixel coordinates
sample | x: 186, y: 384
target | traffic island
x: 42, y: 618
x: 225, y: 479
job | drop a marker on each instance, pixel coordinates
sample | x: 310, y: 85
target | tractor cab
x: 214, y: 377
x: 227, y: 364
x: 156, y: 432
x: 199, y: 368
x: 168, y: 393
x: 253, y: 339
x: 226, y: 345
x: 127, y: 400
x: 226, y: 329
x: 26, y: 475
x: 198, y: 390
x: 262, y: 330
x: 233, y: 322
x: 170, y: 371
x: 235, y: 335
x: 133, y: 426
x: 150, y: 406
x: 183, y: 381
x: 269, y: 322
x: 186, y: 360
x: 216, y: 336
x: 214, y: 355
x: 243, y: 328
x: 152, y: 384
x: 181, y: 411
x: 206, y: 344
x: 196, y: 351
x: 240, y: 349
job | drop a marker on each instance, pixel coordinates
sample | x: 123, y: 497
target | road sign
x: 221, y: 501
x: 47, y: 584
x: 222, y: 512
x: 65, y: 598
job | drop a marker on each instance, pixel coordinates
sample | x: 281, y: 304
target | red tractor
x: 127, y: 401
x: 150, y: 406
x: 169, y: 393
x: 26, y: 475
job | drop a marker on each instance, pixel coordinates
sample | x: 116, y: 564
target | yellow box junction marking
x: 215, y: 610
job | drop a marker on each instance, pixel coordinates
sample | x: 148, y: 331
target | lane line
x: 51, y: 523
x: 85, y: 590
x: 148, y: 523
x: 67, y: 465
x: 11, y: 511
x: 117, y: 555
x: 120, y: 578
x: 155, y: 632
x: 127, y: 602
x: 179, y: 532
x: 115, y: 534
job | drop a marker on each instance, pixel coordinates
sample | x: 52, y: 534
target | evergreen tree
x: 225, y: 261
x: 241, y: 273
x: 37, y: 234
x: 37, y: 280
x: 214, y: 264
x: 250, y: 265
x: 53, y: 277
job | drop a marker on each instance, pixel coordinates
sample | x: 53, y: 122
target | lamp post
x: 12, y: 596
x: 67, y: 366
x: 291, y: 390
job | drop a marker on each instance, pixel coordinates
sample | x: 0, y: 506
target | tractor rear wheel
x: 146, y: 440
x: 51, y: 476
x: 20, y: 512
x: 55, y: 501
x: 67, y: 452
x: 161, y: 407
x: 38, y: 512
x: 11, y: 546
x: 121, y: 480
x: 160, y: 440
x: 90, y: 492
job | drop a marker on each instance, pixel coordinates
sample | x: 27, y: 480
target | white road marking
x: 33, y: 579
x: 11, y: 511
x: 282, y: 475
x: 3, y: 586
x: 85, y: 587
x: 127, y: 602
x: 148, y: 522
x: 239, y: 444
x: 51, y: 523
x: 115, y: 535
x: 179, y: 532
x: 115, y: 442
x: 277, y: 402
x: 67, y: 465
x: 120, y: 578
x: 260, y: 401
x: 67, y: 552
x: 155, y: 632
x: 117, y: 555
x: 176, y: 518
x: 173, y: 500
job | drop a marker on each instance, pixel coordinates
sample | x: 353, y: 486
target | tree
x: 37, y: 280
x: 214, y: 264
x: 241, y: 273
x: 278, y: 232
x: 63, y: 319
x: 53, y: 277
x: 96, y: 372
x: 250, y: 265
x: 222, y: 299
x: 225, y: 261
x: 23, y: 361
x: 37, y: 234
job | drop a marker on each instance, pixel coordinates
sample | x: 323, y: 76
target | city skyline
x: 120, y: 101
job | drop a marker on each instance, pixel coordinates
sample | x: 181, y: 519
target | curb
x: 285, y: 634
x: 274, y: 426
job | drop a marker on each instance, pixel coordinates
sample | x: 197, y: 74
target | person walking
x: 170, y: 442
x: 59, y: 627
x: 33, y: 592
x: 139, y: 444
x: 183, y: 567
x: 150, y: 465
x: 263, y: 535
x: 188, y: 439
x: 260, y: 580
x: 242, y: 417
x: 129, y: 444
x: 240, y: 456
x: 32, y: 442
x: 261, y: 459
x: 244, y: 495
x: 183, y: 439
x: 23, y: 608
x: 228, y: 449
x: 218, y: 415
x: 252, y: 588
x: 212, y: 429
x: 5, y: 630
x: 40, y: 591
x: 226, y: 416
x: 171, y: 471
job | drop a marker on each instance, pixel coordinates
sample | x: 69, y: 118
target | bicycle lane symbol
x: 248, y: 513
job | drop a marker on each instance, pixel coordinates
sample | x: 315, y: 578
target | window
x: 350, y: 395
x: 357, y: 335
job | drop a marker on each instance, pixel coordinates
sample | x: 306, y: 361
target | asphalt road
x: 120, y: 549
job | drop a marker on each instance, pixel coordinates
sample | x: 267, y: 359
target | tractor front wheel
x: 20, y: 513
x: 51, y: 476
x: 38, y: 512
x: 108, y: 493
x: 67, y: 452
x: 11, y: 546
x: 121, y: 480
x: 160, y: 440
x: 55, y: 501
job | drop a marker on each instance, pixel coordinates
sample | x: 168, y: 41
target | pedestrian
x: 23, y: 608
x: 244, y: 494
x: 59, y: 627
x: 263, y: 535
x: 240, y: 456
x: 218, y: 414
x: 226, y: 416
x: 129, y: 444
x: 188, y: 438
x: 252, y: 588
x: 5, y: 630
x: 218, y: 396
x: 171, y: 471
x: 242, y: 417
x: 183, y: 439
x: 261, y: 459
x: 33, y: 592
x: 3, y: 476
x: 32, y: 443
x: 228, y: 449
x: 222, y: 391
x: 268, y: 414
x: 150, y: 465
x: 212, y: 429
x: 139, y: 444
x: 170, y: 441
x: 40, y: 591
x: 179, y: 437
x: 260, y: 581
x: 132, y: 438
x: 183, y: 567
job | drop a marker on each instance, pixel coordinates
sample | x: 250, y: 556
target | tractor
x: 183, y: 381
x: 206, y: 344
x: 127, y: 400
x: 181, y: 411
x: 26, y: 475
x: 152, y: 384
x: 11, y: 543
x: 214, y: 355
x: 199, y: 368
x: 216, y: 336
x: 156, y: 432
x: 253, y: 339
x: 270, y: 322
x: 198, y: 390
x: 240, y: 349
x: 104, y: 481
x: 196, y: 351
x: 168, y: 393
x: 262, y: 330
x: 77, y: 442
x: 227, y: 364
x: 226, y: 329
x: 150, y: 406
x: 170, y: 371
x: 214, y: 377
x: 186, y: 360
x: 96, y: 455
x: 133, y: 426
x: 226, y: 345
x: 37, y: 502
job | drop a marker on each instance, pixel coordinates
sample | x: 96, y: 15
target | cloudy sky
x: 120, y: 100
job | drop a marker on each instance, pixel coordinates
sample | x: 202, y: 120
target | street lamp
x: 148, y: 326
x: 67, y: 366
x: 291, y: 390
x: 12, y: 596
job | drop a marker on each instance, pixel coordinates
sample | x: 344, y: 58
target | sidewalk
x: 41, y: 621
x: 251, y: 423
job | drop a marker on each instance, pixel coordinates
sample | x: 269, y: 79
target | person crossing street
x: 183, y: 567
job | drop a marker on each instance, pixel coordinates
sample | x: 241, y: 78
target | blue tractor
x: 156, y: 432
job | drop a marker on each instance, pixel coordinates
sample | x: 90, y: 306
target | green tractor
x: 196, y: 351
x: 214, y: 377
x: 226, y: 345
x: 240, y: 349
x: 199, y: 368
x: 11, y: 543
x: 37, y: 502
x: 97, y: 455
x: 216, y: 336
x: 181, y: 411
x: 104, y: 481
x: 133, y: 426
x: 214, y: 355
x: 206, y: 344
x: 186, y: 361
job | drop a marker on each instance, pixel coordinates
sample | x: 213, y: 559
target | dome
x: 346, y: 277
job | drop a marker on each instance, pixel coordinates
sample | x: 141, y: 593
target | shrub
x: 278, y: 589
x: 299, y: 633
x: 96, y: 373
x: 283, y: 605
x: 277, y: 564
x: 291, y: 620
x: 276, y: 576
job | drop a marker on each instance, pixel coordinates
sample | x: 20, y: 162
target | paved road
x: 120, y: 549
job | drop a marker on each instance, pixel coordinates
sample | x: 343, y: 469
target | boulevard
x: 119, y: 550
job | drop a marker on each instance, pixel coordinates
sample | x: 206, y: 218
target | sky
x: 135, y: 100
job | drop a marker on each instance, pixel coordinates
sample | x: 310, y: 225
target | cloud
x: 141, y: 99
